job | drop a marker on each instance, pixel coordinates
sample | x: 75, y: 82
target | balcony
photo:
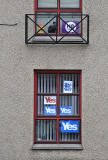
x: 51, y: 28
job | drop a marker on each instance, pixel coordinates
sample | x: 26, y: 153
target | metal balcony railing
x: 66, y: 28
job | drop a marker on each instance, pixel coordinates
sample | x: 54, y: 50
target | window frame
x: 58, y: 117
x: 58, y: 9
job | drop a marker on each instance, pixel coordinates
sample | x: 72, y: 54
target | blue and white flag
x: 50, y: 110
x: 70, y: 126
x: 65, y: 110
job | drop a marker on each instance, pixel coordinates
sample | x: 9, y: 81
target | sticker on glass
x: 67, y: 86
x: 69, y: 126
x: 65, y: 110
x: 49, y: 100
x: 50, y: 110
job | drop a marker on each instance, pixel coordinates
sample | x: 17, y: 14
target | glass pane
x: 47, y: 3
x: 46, y: 130
x: 47, y: 83
x: 46, y: 21
x: 69, y: 3
x: 69, y: 130
x: 47, y: 105
x: 69, y: 83
x: 69, y: 21
x: 69, y: 105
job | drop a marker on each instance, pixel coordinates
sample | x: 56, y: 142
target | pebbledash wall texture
x: 17, y: 64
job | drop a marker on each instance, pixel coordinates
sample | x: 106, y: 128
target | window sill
x: 57, y: 146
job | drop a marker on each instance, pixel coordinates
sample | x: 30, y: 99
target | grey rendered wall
x: 17, y: 62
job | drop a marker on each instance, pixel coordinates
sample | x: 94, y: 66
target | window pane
x: 69, y: 130
x: 69, y: 3
x: 47, y: 21
x: 47, y: 105
x: 47, y: 83
x: 46, y: 130
x: 47, y: 3
x: 69, y: 105
x: 69, y: 83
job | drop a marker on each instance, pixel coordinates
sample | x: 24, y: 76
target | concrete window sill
x: 57, y: 146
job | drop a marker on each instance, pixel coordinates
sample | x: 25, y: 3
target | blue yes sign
x: 65, y: 110
x: 50, y: 110
x: 70, y: 126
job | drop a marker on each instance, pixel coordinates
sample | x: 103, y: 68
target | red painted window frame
x: 58, y: 9
x: 58, y: 72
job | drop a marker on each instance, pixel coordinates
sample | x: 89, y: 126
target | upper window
x: 59, y: 4
x: 57, y: 107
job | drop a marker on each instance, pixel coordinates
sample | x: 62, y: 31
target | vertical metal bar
x: 40, y: 131
x: 38, y: 122
x: 51, y: 130
x: 34, y: 137
x: 58, y: 107
x: 47, y: 83
x: 35, y: 94
x: 58, y: 17
x: 44, y: 83
x: 26, y: 28
x: 38, y: 82
x: 69, y: 137
x: 75, y: 92
x: 38, y: 97
x: 60, y: 77
x: 53, y: 84
x: 63, y: 89
x: 41, y: 89
x: 80, y: 101
x: 58, y: 95
x: 57, y: 130
x: 80, y: 107
x: 56, y: 27
x: 66, y: 103
x: 42, y: 105
x: 38, y: 105
x: 81, y: 26
x: 44, y: 131
x: 87, y: 29
x: 72, y: 98
x: 51, y: 87
x: 35, y: 101
x: 47, y: 130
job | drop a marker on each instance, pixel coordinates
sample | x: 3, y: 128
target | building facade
x: 18, y: 64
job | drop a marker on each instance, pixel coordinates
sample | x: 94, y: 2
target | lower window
x: 57, y: 109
